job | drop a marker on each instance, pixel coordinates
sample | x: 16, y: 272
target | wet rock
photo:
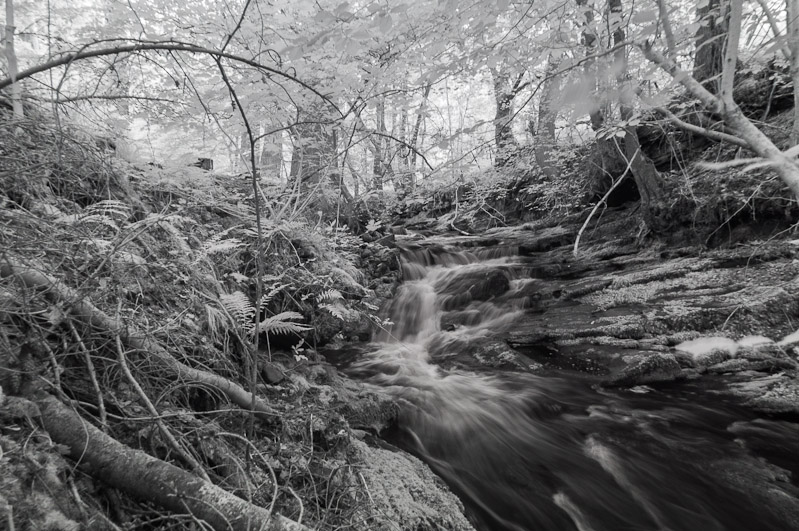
x: 767, y: 485
x: 387, y: 241
x: 403, y: 493
x: 546, y: 239
x: 472, y: 286
x: 647, y: 368
x: 702, y: 360
x: 452, y: 320
x: 733, y: 365
x: 775, y: 393
x: 271, y: 373
x: 762, y: 352
x: 366, y: 410
x: 703, y: 347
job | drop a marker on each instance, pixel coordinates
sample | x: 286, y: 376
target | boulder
x: 647, y: 368
x: 472, y: 286
x: 403, y: 492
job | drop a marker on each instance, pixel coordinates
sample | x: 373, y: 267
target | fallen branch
x: 147, y: 478
x: 90, y: 315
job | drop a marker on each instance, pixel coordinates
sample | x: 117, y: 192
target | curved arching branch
x: 162, y: 46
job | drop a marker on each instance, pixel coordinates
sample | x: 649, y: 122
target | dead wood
x: 149, y: 479
x: 86, y: 312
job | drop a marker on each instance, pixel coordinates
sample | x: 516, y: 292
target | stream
x: 554, y: 450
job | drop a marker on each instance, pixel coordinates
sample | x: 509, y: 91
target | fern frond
x: 216, y: 321
x: 223, y: 246
x: 218, y: 244
x: 329, y: 295
x: 240, y: 307
x: 281, y: 324
x: 110, y: 208
x: 335, y: 310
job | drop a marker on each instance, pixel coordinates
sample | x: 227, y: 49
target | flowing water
x: 528, y: 452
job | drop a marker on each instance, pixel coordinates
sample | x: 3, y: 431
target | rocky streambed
x: 621, y: 314
x: 619, y: 387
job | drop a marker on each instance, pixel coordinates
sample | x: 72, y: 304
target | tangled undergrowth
x: 129, y: 294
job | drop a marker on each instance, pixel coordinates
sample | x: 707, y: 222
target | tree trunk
x: 544, y: 134
x: 709, y: 55
x: 416, y: 130
x: 590, y: 41
x: 11, y: 58
x: 732, y: 115
x: 504, y: 93
x: 378, y: 170
x: 314, y: 151
x: 149, y: 479
x: 792, y: 14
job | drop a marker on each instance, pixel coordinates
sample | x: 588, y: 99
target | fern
x: 281, y: 324
x: 329, y: 295
x: 240, y: 307
x: 216, y: 321
x: 336, y: 310
x: 111, y: 209
x: 218, y: 244
x: 223, y: 246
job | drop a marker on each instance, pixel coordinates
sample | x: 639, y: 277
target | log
x: 86, y: 312
x: 149, y: 479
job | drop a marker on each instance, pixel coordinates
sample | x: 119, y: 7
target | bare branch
x: 775, y: 29
x: 163, y: 46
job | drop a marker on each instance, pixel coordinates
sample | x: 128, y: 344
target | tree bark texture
x: 709, y: 55
x: 544, y: 135
x: 590, y: 42
x: 149, y: 479
x: 504, y: 93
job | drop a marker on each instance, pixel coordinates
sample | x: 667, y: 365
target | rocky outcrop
x: 403, y: 493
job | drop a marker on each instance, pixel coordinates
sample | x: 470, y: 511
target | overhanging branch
x: 162, y: 46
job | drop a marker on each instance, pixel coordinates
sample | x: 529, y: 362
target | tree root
x: 90, y: 315
x: 147, y: 478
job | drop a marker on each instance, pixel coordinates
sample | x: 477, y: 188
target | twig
x: 186, y: 456
x: 302, y: 509
x: 93, y: 376
x: 10, y: 518
x: 54, y: 363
